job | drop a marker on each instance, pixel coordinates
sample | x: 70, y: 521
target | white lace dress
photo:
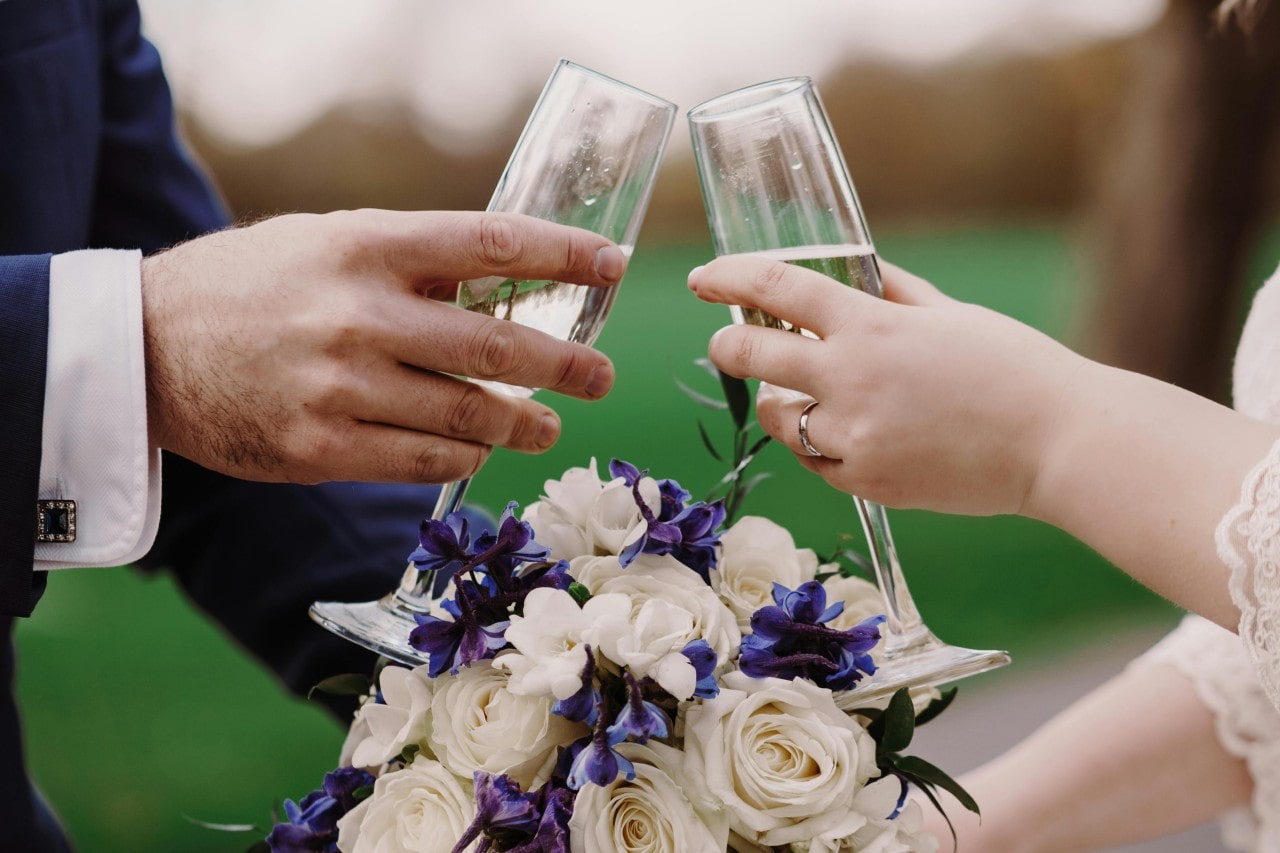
x: 1238, y: 676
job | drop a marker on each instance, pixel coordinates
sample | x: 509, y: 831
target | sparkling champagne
x: 569, y: 312
x: 854, y: 265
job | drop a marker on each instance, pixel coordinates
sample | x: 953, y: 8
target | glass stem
x: 905, y: 628
x: 417, y: 588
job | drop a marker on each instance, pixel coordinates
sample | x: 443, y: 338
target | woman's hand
x: 923, y: 401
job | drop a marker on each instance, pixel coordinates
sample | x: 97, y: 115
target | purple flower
x: 639, y: 719
x: 313, y: 823
x: 556, y: 805
x: 503, y: 811
x: 442, y: 543
x: 703, y: 658
x: 584, y: 705
x: 451, y: 644
x: 502, y: 552
x: 788, y: 640
x: 687, y: 533
x: 598, y: 762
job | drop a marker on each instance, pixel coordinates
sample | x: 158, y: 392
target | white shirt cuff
x: 95, y: 449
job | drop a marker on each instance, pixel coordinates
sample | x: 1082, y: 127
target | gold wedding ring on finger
x: 804, y: 431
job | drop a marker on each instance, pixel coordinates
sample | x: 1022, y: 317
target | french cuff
x: 95, y: 452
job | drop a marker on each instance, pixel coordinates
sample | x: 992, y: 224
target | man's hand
x: 307, y: 348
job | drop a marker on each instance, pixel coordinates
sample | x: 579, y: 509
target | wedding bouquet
x: 616, y: 670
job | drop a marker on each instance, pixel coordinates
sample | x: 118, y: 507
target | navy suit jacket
x: 89, y: 159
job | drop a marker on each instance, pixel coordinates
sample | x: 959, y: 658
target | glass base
x: 379, y: 626
x: 923, y: 664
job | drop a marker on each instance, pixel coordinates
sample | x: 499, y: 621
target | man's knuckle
x: 496, y: 350
x: 468, y: 412
x: 498, y: 242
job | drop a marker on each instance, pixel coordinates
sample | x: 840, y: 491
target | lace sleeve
x: 1248, y: 540
x: 1248, y: 726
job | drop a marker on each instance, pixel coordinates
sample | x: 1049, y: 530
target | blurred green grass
x: 139, y: 712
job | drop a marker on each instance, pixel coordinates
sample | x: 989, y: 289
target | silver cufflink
x: 55, y: 521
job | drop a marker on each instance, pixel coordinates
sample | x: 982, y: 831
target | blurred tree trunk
x: 1183, y: 197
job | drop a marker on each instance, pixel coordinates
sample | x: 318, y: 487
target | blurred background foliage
x: 1105, y: 187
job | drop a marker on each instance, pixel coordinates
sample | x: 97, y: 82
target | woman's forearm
x: 1143, y: 471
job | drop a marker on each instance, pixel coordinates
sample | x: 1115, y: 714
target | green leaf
x: 748, y: 486
x: 406, y: 755
x: 348, y: 684
x: 923, y: 773
x: 937, y: 706
x: 580, y: 593
x: 899, y: 724
x: 702, y: 399
x: 362, y: 793
x: 933, y: 798
x: 224, y: 827
x: 738, y: 398
x: 759, y: 445
x: 706, y: 440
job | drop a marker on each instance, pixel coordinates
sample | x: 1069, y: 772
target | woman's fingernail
x: 693, y: 277
x: 610, y: 263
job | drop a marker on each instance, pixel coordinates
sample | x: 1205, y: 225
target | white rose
x: 861, y: 598
x: 550, y: 654
x: 481, y: 725
x: 667, y: 579
x: 422, y: 807
x: 401, y: 719
x: 755, y: 553
x: 781, y: 757
x: 650, y: 643
x: 647, y: 813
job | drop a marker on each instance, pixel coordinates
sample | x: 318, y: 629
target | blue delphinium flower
x: 451, y: 644
x: 442, y: 544
x: 596, y: 760
x: 686, y: 532
x: 639, y: 719
x: 789, y: 640
x: 312, y: 825
x: 503, y: 811
x: 703, y: 658
x: 502, y: 552
x: 584, y: 705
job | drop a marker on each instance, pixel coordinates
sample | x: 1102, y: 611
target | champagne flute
x: 775, y: 184
x: 587, y: 157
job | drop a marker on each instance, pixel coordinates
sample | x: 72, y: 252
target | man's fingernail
x: 693, y: 277
x: 600, y: 381
x: 548, y: 431
x: 610, y: 263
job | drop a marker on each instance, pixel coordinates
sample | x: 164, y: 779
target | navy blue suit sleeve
x: 24, y: 326
x: 148, y: 194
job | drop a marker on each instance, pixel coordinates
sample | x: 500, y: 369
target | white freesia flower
x: 781, y: 757
x: 615, y: 521
x: 549, y: 645
x: 594, y: 572
x: 648, y: 814
x: 903, y: 834
x: 582, y: 515
x: 650, y: 643
x: 755, y: 553
x: 667, y: 579
x: 422, y: 807
x: 481, y: 725
x: 402, y: 719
